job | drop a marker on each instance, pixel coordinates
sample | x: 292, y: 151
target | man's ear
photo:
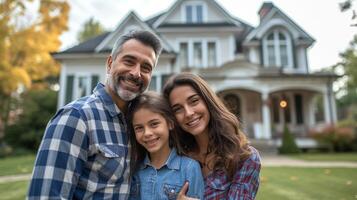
x: 109, y: 63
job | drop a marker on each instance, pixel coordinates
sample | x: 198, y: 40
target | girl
x: 212, y: 137
x: 160, y: 170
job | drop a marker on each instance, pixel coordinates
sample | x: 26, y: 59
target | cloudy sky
x: 322, y: 19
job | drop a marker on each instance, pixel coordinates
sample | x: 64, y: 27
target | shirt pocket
x: 171, y: 191
x: 110, y: 161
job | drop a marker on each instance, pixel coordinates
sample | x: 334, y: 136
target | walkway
x: 284, y: 161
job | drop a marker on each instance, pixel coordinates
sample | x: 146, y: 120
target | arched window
x: 277, y: 49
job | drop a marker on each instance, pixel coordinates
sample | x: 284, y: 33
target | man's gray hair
x: 145, y: 37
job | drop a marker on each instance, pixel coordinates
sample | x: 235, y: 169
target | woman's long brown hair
x: 227, y: 143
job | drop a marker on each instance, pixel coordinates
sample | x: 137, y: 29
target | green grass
x: 277, y: 183
x: 290, y: 183
x: 327, y: 156
x: 16, y: 165
x: 13, y: 190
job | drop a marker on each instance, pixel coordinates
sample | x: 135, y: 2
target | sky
x: 321, y: 19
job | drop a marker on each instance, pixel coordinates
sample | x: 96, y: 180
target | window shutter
x: 69, y: 88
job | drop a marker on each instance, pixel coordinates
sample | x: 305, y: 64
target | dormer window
x: 193, y: 13
x: 277, y: 49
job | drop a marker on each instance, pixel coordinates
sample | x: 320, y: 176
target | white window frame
x: 204, y: 42
x: 194, y: 5
x: 276, y: 45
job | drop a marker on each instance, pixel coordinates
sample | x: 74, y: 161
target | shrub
x: 38, y: 107
x: 288, y: 145
x: 337, y: 138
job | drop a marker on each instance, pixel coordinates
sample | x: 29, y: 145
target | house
x: 261, y: 72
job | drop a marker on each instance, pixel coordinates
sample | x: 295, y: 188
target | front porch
x: 263, y: 114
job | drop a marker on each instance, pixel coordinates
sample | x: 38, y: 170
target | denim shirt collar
x: 107, y: 100
x: 173, y: 161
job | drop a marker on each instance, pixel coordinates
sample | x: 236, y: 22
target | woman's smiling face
x: 190, y: 110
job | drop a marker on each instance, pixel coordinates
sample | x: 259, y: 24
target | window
x: 164, y: 78
x: 212, y: 55
x: 276, y: 107
x: 153, y: 84
x: 197, y: 54
x: 277, y: 49
x: 194, y: 13
x: 233, y: 103
x: 183, y: 54
x: 69, y: 88
x: 79, y: 85
x: 299, y: 109
x: 319, y: 108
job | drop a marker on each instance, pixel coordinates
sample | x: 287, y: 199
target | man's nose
x: 136, y: 71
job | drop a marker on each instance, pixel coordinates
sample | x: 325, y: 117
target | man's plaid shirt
x: 85, y: 152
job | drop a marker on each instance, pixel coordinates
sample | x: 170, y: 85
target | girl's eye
x: 138, y: 129
x: 154, y: 124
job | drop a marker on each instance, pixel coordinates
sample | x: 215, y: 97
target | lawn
x: 285, y: 183
x: 327, y: 156
x: 14, y: 190
x: 291, y: 183
x: 17, y: 165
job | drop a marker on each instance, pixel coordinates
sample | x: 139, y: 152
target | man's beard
x: 124, y: 94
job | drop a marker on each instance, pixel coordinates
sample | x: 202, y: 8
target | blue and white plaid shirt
x: 85, y: 152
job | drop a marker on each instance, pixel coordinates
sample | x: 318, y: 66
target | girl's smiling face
x: 152, y: 131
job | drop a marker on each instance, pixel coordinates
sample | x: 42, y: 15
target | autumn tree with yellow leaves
x: 26, y: 40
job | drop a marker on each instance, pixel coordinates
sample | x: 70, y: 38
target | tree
x: 347, y: 5
x: 25, y: 47
x: 90, y: 29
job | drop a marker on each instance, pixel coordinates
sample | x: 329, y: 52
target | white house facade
x: 261, y: 72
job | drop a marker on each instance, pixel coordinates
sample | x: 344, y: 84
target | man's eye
x: 146, y: 68
x: 129, y: 62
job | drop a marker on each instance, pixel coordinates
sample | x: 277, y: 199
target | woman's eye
x: 176, y: 110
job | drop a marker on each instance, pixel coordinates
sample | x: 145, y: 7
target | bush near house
x: 288, y: 145
x: 38, y: 105
x: 338, y: 138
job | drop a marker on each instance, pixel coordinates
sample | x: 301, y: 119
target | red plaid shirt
x: 244, y: 185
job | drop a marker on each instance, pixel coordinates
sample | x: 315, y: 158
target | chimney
x: 264, y: 10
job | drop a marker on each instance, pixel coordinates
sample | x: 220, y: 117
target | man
x: 85, y: 151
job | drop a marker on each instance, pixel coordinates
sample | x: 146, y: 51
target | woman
x: 211, y: 135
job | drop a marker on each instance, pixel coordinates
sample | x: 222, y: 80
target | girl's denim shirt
x: 165, y: 183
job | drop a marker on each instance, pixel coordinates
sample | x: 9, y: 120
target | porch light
x: 283, y: 103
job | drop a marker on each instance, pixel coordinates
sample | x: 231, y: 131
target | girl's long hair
x: 157, y: 104
x: 227, y: 143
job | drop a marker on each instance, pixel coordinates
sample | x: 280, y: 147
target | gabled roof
x: 132, y: 15
x: 103, y: 42
x: 259, y: 31
x: 87, y: 46
x: 160, y: 20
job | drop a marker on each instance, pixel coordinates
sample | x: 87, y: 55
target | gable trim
x: 212, y: 2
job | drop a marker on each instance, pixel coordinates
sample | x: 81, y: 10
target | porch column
x: 266, y: 116
x: 327, y: 108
